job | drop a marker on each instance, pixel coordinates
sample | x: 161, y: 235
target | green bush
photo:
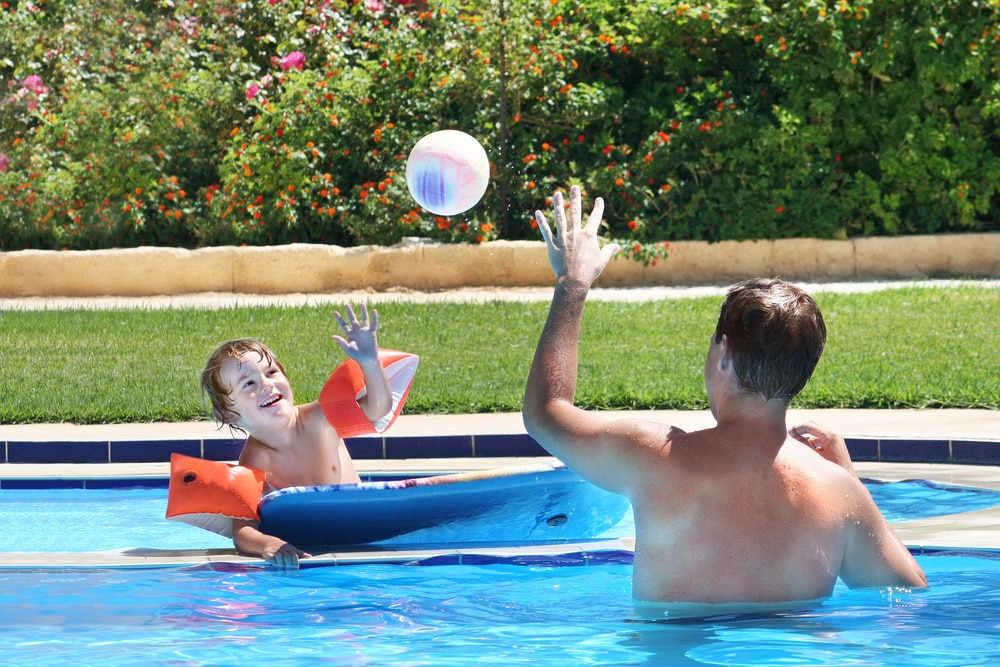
x: 192, y: 123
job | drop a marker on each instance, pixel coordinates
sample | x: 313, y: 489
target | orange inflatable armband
x: 210, y: 494
x: 340, y: 395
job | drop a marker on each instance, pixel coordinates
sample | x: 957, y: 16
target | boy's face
x: 259, y: 391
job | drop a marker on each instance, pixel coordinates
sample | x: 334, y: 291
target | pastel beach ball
x: 447, y: 172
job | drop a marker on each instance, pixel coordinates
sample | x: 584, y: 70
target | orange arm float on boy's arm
x: 340, y: 395
x: 210, y: 494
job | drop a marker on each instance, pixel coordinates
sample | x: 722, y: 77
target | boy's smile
x: 258, y: 389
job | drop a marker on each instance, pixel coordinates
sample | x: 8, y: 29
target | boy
x: 744, y: 511
x: 294, y: 445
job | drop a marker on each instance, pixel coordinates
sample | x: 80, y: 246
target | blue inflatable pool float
x: 523, y: 505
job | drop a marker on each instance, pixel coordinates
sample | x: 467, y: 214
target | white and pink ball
x: 447, y: 172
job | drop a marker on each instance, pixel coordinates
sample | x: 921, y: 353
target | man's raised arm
x: 577, y: 259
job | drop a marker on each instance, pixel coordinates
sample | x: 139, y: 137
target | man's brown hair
x: 775, y: 335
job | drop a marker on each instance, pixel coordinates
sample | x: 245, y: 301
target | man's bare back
x: 716, y: 525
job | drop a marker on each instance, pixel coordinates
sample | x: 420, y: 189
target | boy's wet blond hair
x: 212, y: 385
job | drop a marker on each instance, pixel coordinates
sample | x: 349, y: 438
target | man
x: 745, y: 511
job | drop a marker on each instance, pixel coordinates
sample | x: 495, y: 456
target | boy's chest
x: 306, y: 466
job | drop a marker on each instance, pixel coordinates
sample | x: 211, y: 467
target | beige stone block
x: 943, y: 255
x: 696, y: 263
x: 298, y: 267
x: 812, y: 259
x: 434, y: 266
x: 121, y: 272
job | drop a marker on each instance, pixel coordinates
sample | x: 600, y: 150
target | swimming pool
x: 50, y: 520
x: 561, y: 608
x: 526, y: 611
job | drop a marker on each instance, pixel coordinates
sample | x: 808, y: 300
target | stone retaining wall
x: 431, y: 267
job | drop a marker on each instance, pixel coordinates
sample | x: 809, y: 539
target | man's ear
x: 724, y: 360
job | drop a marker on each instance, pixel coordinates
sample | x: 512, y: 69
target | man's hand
x: 574, y: 249
x: 828, y: 444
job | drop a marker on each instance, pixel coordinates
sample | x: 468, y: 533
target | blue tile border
x: 915, y: 451
x: 151, y: 451
x: 979, y: 452
x: 863, y: 449
x: 57, y: 452
x: 890, y: 450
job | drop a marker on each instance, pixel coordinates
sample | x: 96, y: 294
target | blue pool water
x: 528, y: 610
x: 523, y: 612
x: 55, y: 520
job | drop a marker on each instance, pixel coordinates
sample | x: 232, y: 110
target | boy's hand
x: 283, y: 554
x: 359, y: 341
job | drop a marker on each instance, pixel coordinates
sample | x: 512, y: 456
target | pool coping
x: 901, y: 436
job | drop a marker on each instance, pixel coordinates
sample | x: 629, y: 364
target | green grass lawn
x: 910, y: 347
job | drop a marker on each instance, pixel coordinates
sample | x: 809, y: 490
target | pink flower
x: 294, y: 60
x: 33, y: 84
x: 252, y: 91
x: 4, y: 163
x: 374, y: 5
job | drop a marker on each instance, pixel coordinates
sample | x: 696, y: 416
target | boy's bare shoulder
x: 255, y: 454
x: 312, y: 413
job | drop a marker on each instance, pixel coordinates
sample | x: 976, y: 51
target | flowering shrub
x: 200, y: 122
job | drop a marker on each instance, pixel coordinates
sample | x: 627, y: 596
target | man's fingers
x: 559, y: 212
x: 596, y: 215
x: 575, y: 205
x: 543, y: 227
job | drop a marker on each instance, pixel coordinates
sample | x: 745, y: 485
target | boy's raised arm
x: 360, y: 343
